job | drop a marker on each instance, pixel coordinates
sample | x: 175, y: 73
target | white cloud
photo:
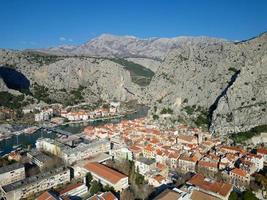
x: 65, y: 39
x: 62, y: 39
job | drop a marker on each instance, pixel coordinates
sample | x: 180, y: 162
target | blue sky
x: 44, y: 23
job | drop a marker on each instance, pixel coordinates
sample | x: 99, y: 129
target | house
x: 107, y: 176
x: 148, y: 151
x: 199, y: 195
x: 121, y: 154
x: 208, y: 165
x: 239, y: 177
x: 48, y: 195
x: 187, y: 139
x: 103, y: 196
x: 11, y: 173
x: 258, y: 160
x: 262, y: 152
x: 144, y: 165
x: 233, y: 150
x: 158, y: 180
x: 174, y: 194
x: 187, y: 162
x: 172, y: 159
x: 219, y: 190
x: 75, y: 190
x: 247, y: 166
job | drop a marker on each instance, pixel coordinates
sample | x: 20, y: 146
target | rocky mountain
x: 107, y: 45
x: 213, y: 83
x: 225, y: 81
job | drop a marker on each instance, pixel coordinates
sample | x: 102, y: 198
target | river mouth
x: 23, y: 140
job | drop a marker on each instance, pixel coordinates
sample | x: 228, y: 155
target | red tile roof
x: 47, y: 196
x: 220, y: 188
x: 103, y: 196
x: 262, y: 151
x: 239, y: 172
x: 69, y: 188
x: 207, y: 164
x: 105, y: 172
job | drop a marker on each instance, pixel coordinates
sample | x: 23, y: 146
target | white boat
x: 16, y: 146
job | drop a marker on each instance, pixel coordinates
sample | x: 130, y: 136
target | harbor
x: 20, y: 139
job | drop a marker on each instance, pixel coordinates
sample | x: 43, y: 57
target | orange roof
x: 198, y: 195
x: 161, y: 166
x: 220, y: 188
x: 149, y: 148
x: 109, y: 196
x: 207, y: 164
x: 47, y: 196
x: 159, y: 178
x: 105, y: 172
x: 135, y: 149
x: 239, y: 172
x: 187, y: 138
x: 103, y: 196
x: 69, y: 188
x: 262, y: 151
x: 233, y: 149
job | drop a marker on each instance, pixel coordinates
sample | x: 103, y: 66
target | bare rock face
x: 226, y: 79
x: 3, y: 86
x: 103, y: 78
x: 107, y: 45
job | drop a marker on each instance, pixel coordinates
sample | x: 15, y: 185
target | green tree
x: 95, y: 187
x: 88, y: 179
x: 108, y: 188
x: 248, y: 195
x: 233, y: 196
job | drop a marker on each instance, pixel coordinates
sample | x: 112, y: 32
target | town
x: 131, y: 159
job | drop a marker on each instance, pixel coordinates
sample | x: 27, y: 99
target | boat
x: 16, y: 146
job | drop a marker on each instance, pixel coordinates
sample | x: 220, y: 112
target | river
x: 6, y: 146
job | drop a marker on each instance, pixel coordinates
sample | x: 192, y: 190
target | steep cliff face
x: 101, y: 78
x: 227, y: 80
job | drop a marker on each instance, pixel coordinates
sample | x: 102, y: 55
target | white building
x: 144, y: 165
x: 11, y: 173
x: 121, y: 154
x: 69, y: 154
x: 44, y: 115
x: 34, y: 184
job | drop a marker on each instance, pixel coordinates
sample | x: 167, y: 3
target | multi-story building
x: 103, y: 196
x: 239, y: 177
x: 219, y: 190
x: 262, y: 152
x: 107, y: 176
x: 44, y: 115
x: 49, y: 145
x: 144, y: 165
x: 11, y: 173
x: 121, y: 154
x: 34, y: 184
x: 187, y: 162
x: 69, y: 154
x: 75, y: 190
x: 42, y: 160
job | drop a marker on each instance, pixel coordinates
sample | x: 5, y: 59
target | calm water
x: 6, y: 146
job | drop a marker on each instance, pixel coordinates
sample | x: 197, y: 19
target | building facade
x: 11, y: 173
